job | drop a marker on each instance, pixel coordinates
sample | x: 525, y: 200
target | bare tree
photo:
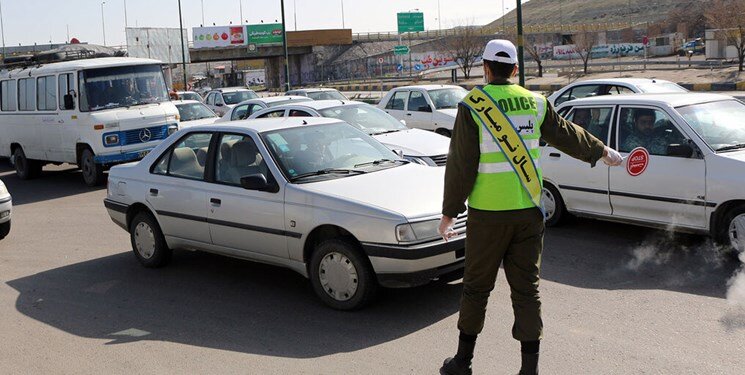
x: 533, y: 44
x: 691, y: 14
x: 727, y: 16
x: 464, y: 47
x: 584, y: 40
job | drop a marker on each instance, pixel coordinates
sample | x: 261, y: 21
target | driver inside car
x: 643, y: 134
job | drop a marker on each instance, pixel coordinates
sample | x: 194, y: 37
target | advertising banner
x: 219, y: 36
x: 265, y: 33
x: 568, y: 52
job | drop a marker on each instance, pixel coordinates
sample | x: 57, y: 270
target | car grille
x: 440, y: 160
x: 460, y: 223
x: 131, y: 137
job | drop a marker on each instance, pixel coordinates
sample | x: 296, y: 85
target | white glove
x: 611, y: 157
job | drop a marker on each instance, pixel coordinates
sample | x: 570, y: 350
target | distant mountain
x: 547, y: 12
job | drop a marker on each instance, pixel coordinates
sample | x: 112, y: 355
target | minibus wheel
x: 25, y: 169
x: 92, y: 172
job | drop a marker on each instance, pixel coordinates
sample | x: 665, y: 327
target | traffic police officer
x: 494, y: 163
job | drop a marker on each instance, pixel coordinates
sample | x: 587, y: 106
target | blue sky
x: 39, y: 21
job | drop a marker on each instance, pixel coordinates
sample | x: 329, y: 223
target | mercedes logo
x: 145, y: 135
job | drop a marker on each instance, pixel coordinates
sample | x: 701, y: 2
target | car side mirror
x: 258, y: 182
x: 424, y: 108
x: 681, y: 151
x: 219, y: 104
x: 400, y: 153
x: 69, y: 102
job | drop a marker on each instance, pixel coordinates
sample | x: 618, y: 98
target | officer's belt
x: 503, y: 131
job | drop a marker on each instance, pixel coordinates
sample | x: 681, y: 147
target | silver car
x: 315, y: 195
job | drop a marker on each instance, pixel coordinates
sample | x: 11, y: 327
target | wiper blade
x: 381, y: 161
x: 731, y: 147
x: 326, y: 171
x: 387, y: 131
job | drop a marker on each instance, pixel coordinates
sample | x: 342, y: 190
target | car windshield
x: 719, y: 123
x: 235, y: 97
x: 365, y: 117
x: 194, y: 111
x: 326, y: 151
x: 326, y: 95
x: 288, y: 101
x: 122, y: 86
x: 661, y: 88
x: 190, y: 96
x: 447, y: 98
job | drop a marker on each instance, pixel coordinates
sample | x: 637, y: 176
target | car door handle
x: 408, y: 114
x: 215, y: 201
x: 153, y: 192
x: 554, y: 155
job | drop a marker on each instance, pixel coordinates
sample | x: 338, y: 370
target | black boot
x: 461, y: 363
x: 530, y: 364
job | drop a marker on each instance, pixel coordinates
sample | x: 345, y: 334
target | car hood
x: 452, y: 112
x: 204, y: 121
x: 412, y: 191
x: 734, y: 155
x: 415, y: 142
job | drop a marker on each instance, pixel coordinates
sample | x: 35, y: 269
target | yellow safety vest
x: 510, y: 119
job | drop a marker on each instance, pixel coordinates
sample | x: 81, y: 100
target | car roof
x: 188, y: 101
x: 427, y: 87
x: 186, y: 92
x: 632, y: 81
x: 231, y: 89
x: 272, y: 99
x: 63, y: 66
x: 320, y: 104
x: 671, y: 99
x: 313, y: 89
x: 267, y: 124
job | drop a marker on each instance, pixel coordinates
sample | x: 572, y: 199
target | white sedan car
x: 428, y: 107
x: 319, y: 93
x: 684, y: 166
x: 612, y: 86
x: 193, y: 113
x: 244, y: 109
x: 416, y: 145
x: 6, y: 209
x: 314, y: 195
x: 224, y: 99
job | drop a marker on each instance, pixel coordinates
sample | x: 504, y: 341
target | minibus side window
x: 46, y: 94
x: 8, y: 95
x: 66, y: 86
x: 26, y: 94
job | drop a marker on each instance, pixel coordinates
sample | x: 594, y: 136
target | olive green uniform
x: 513, y: 237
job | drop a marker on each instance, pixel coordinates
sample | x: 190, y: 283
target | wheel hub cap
x: 549, y: 203
x: 144, y: 240
x: 338, y: 276
x: 737, y: 233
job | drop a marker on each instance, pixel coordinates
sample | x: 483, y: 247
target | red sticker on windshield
x: 637, y: 161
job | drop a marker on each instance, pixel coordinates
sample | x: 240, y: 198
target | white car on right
x: 684, y: 166
x: 428, y: 107
x: 612, y: 86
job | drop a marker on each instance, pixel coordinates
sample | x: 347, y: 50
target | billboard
x: 264, y: 33
x: 219, y: 36
x: 162, y: 44
x: 319, y: 37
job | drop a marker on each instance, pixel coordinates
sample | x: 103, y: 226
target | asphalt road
x: 617, y: 300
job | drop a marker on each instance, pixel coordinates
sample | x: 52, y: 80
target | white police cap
x: 496, y: 46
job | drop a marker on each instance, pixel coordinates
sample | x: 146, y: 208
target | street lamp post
x: 2, y: 30
x: 520, y: 59
x: 284, y: 45
x: 183, y: 50
x: 240, y: 7
x: 103, y: 24
x: 125, y: 14
x: 439, y: 18
x: 342, y: 15
x: 294, y: 12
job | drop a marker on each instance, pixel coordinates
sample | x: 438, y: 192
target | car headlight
x: 172, y: 117
x: 111, y: 139
x: 423, y: 160
x: 3, y: 189
x: 422, y: 230
x: 172, y: 129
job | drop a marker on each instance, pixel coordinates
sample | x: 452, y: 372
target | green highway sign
x: 265, y: 33
x: 400, y: 50
x: 409, y: 22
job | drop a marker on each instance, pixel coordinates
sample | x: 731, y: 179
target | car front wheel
x: 341, y: 276
x: 733, y: 233
x: 148, y: 242
x: 553, y: 205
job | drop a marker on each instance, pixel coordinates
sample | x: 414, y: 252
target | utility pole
x: 240, y: 7
x: 125, y: 14
x: 439, y: 18
x: 203, y: 24
x: 342, y: 15
x: 103, y: 23
x: 294, y: 12
x: 284, y: 45
x: 183, y: 50
x: 2, y: 30
x: 520, y: 60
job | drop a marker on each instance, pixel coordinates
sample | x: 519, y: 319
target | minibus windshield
x: 121, y: 86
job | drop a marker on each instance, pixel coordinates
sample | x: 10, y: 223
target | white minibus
x: 91, y: 112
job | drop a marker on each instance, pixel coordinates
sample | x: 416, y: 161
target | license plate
x: 4, y: 214
x: 142, y: 154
